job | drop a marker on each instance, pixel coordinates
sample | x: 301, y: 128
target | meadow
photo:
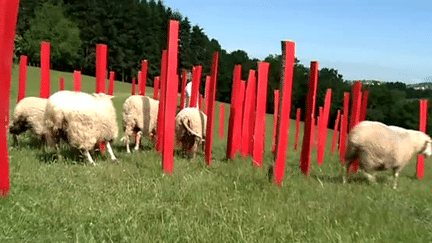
x: 230, y: 201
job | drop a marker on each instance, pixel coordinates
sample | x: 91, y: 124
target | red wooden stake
x: 8, y: 13
x: 242, y: 94
x: 101, y: 67
x: 322, y: 137
x: 183, y: 90
x: 22, y: 77
x: 111, y: 83
x: 206, y: 93
x: 196, y: 82
x: 364, y: 105
x: 211, y: 110
x: 297, y: 134
x: 422, y: 128
x: 260, y: 115
x: 221, y: 121
x: 234, y: 130
x: 171, y: 104
x: 133, y: 85
x: 77, y: 80
x: 275, y: 118
x: 247, y: 125
x: 62, y: 83
x: 156, y: 88
x: 200, y: 103
x: 335, y: 132
x: 252, y: 111
x: 355, y: 113
x: 305, y: 159
x: 143, y: 78
x: 161, y: 112
x: 45, y: 70
x: 344, y: 128
x: 287, y: 66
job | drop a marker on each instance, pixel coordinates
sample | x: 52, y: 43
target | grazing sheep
x: 190, y: 129
x: 82, y: 120
x: 380, y: 147
x: 28, y: 115
x: 139, y: 117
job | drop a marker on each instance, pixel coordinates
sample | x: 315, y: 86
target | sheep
x: 190, y: 129
x: 380, y: 147
x: 139, y: 117
x: 28, y: 115
x: 83, y: 120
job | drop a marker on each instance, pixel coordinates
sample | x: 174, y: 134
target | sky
x: 380, y: 40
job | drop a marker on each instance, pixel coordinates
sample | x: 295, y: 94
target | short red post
x: 260, y: 115
x: 156, y: 88
x: 22, y: 77
x: 305, y: 159
x: 183, y: 90
x: 171, y: 104
x: 133, y: 86
x: 206, y: 93
x: 322, y: 137
x: 161, y: 112
x: 143, y: 78
x: 77, y: 80
x: 221, y: 120
x: 344, y: 128
x: 45, y: 69
x: 297, y: 134
x: 275, y: 118
x: 201, y: 101
x: 363, y: 111
x: 211, y: 101
x: 101, y: 67
x: 422, y: 128
x: 62, y: 83
x: 234, y: 124
x: 335, y: 132
x: 247, y: 110
x: 111, y: 83
x: 196, y: 82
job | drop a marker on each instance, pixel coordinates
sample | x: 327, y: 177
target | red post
x: 22, y: 77
x: 8, y: 13
x: 242, y: 94
x: 355, y: 113
x: 133, y: 85
x: 247, y: 110
x: 252, y: 113
x: 183, y: 90
x: 322, y: 137
x: 275, y: 118
x: 211, y: 100
x: 62, y: 83
x: 305, y: 159
x: 45, y: 69
x: 161, y: 112
x: 111, y: 83
x: 260, y: 115
x: 196, y: 82
x: 344, y: 128
x: 287, y: 66
x: 297, y: 134
x: 156, y: 88
x: 234, y: 130
x: 221, y: 121
x: 171, y: 104
x: 364, y: 105
x: 77, y: 80
x: 206, y: 94
x: 101, y: 67
x: 422, y: 128
x: 143, y: 78
x: 200, y: 104
x: 335, y: 132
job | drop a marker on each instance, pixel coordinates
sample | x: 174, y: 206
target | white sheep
x: 82, y: 120
x: 139, y: 117
x: 190, y: 129
x: 28, y: 115
x: 379, y: 147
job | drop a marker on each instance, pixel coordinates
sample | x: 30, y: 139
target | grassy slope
x: 231, y: 201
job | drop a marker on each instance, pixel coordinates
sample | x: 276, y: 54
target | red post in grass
x: 260, y: 115
x: 171, y: 104
x: 221, y: 121
x: 286, y: 82
x: 22, y: 77
x: 206, y: 93
x: 77, y: 80
x: 111, y: 83
x: 344, y: 128
x: 156, y: 88
x: 183, y: 90
x: 143, y: 78
x: 242, y: 94
x: 355, y: 113
x: 364, y: 102
x: 45, y: 70
x: 297, y: 134
x: 234, y: 129
x: 253, y: 81
x: 101, y: 67
x: 246, y: 124
x: 8, y: 13
x: 275, y: 118
x: 422, y: 128
x: 318, y: 127
x: 161, y: 112
x: 305, y: 159
x: 196, y: 82
x: 322, y: 136
x: 200, y: 103
x: 133, y: 85
x: 211, y: 101
x: 62, y: 83
x: 335, y: 132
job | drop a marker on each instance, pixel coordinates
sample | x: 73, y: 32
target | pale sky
x: 382, y: 40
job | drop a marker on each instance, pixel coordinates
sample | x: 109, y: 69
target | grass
x: 231, y: 201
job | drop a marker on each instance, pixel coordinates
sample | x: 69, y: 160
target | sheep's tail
x: 190, y: 130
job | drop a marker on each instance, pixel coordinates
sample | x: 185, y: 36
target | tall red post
x: 260, y: 115
x: 143, y: 77
x: 22, y: 77
x: 133, y: 86
x: 45, y: 69
x: 101, y: 67
x: 211, y: 101
x: 234, y: 124
x: 161, y: 112
x: 344, y: 128
x: 201, y: 101
x: 242, y: 94
x: 156, y: 88
x: 221, y: 120
x: 246, y: 124
x: 297, y: 134
x: 422, y: 128
x: 183, y: 90
x: 62, y: 83
x: 171, y: 104
x: 253, y: 83
x: 355, y: 113
x: 206, y: 93
x: 275, y: 118
x: 8, y: 13
x: 305, y: 159
x: 335, y: 132
x: 363, y: 110
x: 77, y: 80
x: 196, y: 82
x: 322, y: 137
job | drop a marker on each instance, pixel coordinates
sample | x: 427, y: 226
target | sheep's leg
x: 108, y: 145
x: 87, y: 153
x: 59, y: 157
x: 396, y: 177
x: 127, y: 144
x: 370, y: 177
x: 137, y: 140
x: 15, y: 140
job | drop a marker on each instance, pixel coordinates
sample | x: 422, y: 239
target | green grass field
x: 231, y: 201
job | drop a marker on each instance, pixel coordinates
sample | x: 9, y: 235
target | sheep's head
x: 428, y: 148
